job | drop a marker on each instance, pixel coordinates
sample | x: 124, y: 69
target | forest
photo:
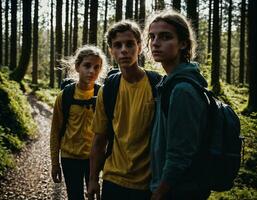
x: 36, y: 35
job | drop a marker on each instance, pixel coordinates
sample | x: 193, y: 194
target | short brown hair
x: 122, y: 26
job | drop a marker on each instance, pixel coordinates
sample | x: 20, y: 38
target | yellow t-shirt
x: 77, y: 140
x: 129, y: 163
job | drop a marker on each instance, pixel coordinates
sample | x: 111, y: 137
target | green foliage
x: 15, y: 110
x: 6, y: 158
x: 16, y: 122
x: 47, y: 95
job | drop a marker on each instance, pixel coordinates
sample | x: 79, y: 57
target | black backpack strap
x: 67, y: 98
x: 110, y: 92
x: 154, y: 79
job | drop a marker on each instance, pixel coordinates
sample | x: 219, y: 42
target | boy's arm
x: 97, y: 158
x: 97, y: 154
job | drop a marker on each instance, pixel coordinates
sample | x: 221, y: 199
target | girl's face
x: 164, y: 43
x: 125, y: 49
x: 89, y: 69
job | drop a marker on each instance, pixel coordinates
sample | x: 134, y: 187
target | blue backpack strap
x: 110, y: 92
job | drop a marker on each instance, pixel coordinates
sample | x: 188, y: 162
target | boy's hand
x: 161, y: 192
x: 93, y: 190
x: 56, y: 173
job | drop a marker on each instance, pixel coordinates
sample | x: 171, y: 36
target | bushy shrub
x: 15, y: 109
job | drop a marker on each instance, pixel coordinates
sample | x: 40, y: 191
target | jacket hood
x: 190, y: 70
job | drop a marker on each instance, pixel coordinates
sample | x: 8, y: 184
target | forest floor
x: 30, y: 179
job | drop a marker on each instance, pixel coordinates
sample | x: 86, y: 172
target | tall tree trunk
x: 176, y: 4
x: 71, y: 26
x: 75, y: 29
x: 6, y: 55
x: 228, y: 74
x: 66, y: 31
x: 142, y: 13
x: 215, y: 49
x: 160, y: 5
x: 142, y: 23
x: 85, y: 25
x: 58, y: 38
x: 209, y: 29
x: 129, y: 9
x: 19, y: 73
x: 136, y: 10
x: 252, y: 45
x: 1, y: 36
x: 193, y: 14
x: 105, y: 24
x: 35, y: 45
x: 52, y: 56
x: 13, y: 41
x: 118, y: 11
x: 93, y: 22
x: 242, y: 44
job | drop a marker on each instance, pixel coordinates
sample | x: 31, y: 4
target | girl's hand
x: 56, y: 173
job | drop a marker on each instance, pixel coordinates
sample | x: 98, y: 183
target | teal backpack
x: 222, y: 144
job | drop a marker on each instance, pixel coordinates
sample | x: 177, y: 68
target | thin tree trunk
x: 129, y: 9
x: 35, y: 45
x: 1, y: 36
x: 93, y: 22
x: 215, y: 49
x: 19, y: 73
x: 6, y: 55
x: 242, y: 44
x: 52, y: 56
x: 252, y: 16
x: 58, y: 38
x: 118, y: 11
x: 105, y: 24
x: 177, y: 4
x: 85, y: 25
x: 193, y: 14
x: 136, y: 10
x: 71, y: 25
x: 228, y: 74
x: 66, y: 32
x: 75, y: 29
x: 209, y: 29
x: 13, y: 41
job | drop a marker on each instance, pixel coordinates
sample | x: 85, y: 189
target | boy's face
x: 125, y: 49
x: 89, y: 69
x: 164, y: 42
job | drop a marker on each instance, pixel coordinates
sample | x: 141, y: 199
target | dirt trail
x: 30, y: 179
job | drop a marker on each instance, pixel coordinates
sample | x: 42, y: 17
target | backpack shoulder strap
x: 169, y: 86
x: 154, y: 78
x: 110, y: 92
x: 67, y: 97
x: 96, y: 89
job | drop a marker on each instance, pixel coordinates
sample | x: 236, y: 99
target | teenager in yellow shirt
x: 126, y: 172
x: 71, y: 151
